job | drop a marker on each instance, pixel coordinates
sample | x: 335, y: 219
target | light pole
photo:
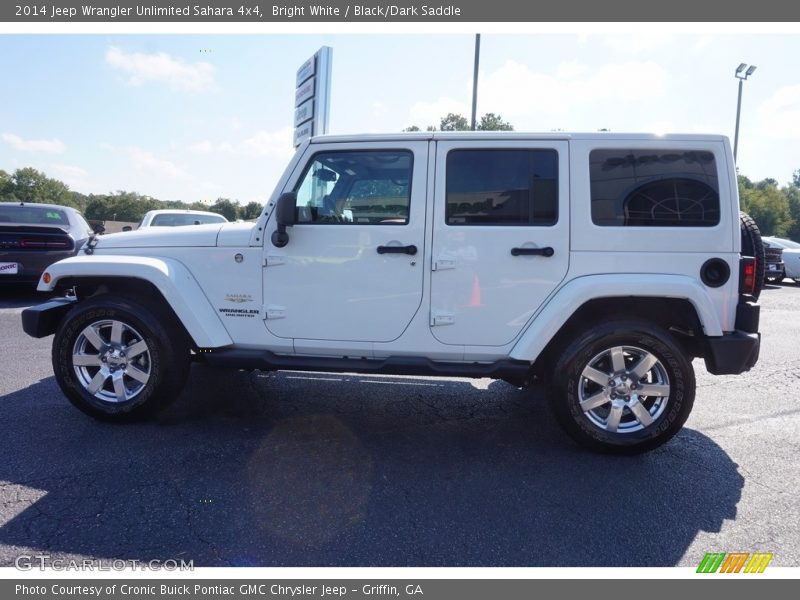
x: 475, y: 79
x: 742, y: 73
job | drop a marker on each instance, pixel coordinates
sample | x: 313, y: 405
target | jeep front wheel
x: 118, y: 360
x: 624, y: 387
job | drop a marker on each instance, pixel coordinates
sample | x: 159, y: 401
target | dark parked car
x: 774, y: 269
x: 34, y: 236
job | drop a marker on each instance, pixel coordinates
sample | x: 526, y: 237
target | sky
x: 197, y: 117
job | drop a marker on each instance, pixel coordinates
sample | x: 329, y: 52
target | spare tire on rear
x: 753, y: 246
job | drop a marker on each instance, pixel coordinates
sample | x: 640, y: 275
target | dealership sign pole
x: 312, y: 96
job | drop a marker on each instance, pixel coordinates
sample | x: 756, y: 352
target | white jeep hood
x: 166, y: 237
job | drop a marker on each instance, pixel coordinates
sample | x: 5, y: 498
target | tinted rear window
x: 654, y: 187
x: 33, y: 215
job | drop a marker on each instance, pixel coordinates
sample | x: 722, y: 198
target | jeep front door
x: 501, y: 237
x: 353, y: 267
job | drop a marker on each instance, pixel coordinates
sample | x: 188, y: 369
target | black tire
x: 668, y: 412
x: 753, y: 246
x: 165, y: 361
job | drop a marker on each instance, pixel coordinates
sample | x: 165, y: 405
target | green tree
x: 120, y: 206
x: 454, y: 122
x: 767, y: 204
x: 769, y: 182
x: 251, y: 210
x: 457, y: 122
x: 793, y: 199
x: 226, y: 208
x: 796, y: 178
x: 29, y: 185
x: 95, y: 209
x: 5, y: 179
x: 197, y: 206
x: 493, y: 122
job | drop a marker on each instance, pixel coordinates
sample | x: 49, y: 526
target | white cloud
x: 143, y: 160
x: 272, y: 144
x: 161, y: 67
x: 54, y: 146
x: 638, y: 42
x: 704, y: 42
x: 379, y: 109
x: 423, y: 114
x: 570, y: 70
x: 77, y: 178
x: 779, y: 115
x: 69, y: 171
x: 203, y: 147
x: 660, y: 127
x: 573, y: 85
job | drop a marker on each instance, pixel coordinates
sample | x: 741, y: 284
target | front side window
x: 654, y: 188
x: 502, y: 187
x: 366, y: 187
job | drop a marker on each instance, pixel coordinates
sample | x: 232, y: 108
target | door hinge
x: 442, y: 318
x: 274, y: 312
x: 274, y: 259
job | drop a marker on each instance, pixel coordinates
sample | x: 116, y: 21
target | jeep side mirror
x: 285, y: 216
x: 98, y: 228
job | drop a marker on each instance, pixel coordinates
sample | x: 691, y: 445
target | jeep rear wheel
x: 624, y: 387
x: 118, y: 360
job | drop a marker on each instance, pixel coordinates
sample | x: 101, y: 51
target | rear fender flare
x: 569, y: 298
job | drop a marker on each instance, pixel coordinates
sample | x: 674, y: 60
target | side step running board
x: 514, y: 371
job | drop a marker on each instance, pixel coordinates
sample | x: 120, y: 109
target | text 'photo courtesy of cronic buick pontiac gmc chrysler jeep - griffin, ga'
x: 599, y: 265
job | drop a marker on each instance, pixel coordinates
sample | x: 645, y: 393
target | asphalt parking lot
x: 296, y: 469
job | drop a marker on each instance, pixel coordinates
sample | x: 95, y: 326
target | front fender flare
x: 569, y: 298
x: 179, y: 288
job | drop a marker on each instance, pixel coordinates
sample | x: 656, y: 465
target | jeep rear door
x: 501, y: 236
x: 353, y: 268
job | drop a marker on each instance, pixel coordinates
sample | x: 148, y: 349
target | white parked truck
x: 600, y: 264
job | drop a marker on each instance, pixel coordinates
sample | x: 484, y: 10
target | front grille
x: 773, y: 254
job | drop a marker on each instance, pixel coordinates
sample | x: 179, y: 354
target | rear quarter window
x: 665, y: 187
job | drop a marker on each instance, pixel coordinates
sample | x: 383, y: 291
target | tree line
x: 30, y: 185
x: 456, y: 122
x: 775, y: 208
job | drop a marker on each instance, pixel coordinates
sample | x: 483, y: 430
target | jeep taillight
x: 747, y: 281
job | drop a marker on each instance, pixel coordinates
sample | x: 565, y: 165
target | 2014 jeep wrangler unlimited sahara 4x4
x: 601, y: 264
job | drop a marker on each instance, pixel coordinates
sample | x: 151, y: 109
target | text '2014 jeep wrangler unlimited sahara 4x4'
x: 601, y: 264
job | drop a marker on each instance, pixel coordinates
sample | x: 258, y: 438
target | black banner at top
x: 408, y: 11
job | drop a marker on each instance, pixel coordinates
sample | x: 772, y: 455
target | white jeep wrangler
x: 600, y: 264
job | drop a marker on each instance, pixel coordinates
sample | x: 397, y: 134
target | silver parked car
x: 791, y: 256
